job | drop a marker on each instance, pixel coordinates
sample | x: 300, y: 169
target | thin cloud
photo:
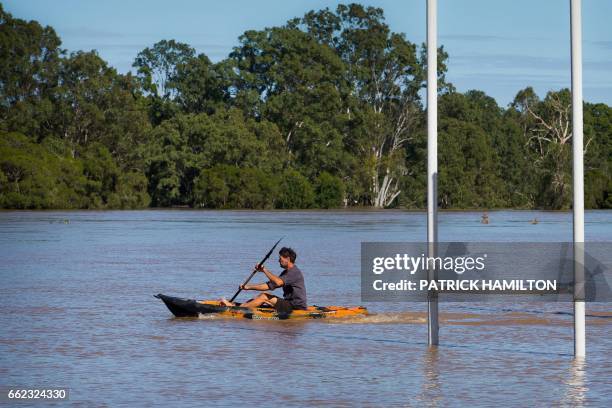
x: 513, y: 78
x: 488, y: 38
x: 598, y: 65
x: 606, y: 45
x: 473, y: 37
x: 87, y: 32
x: 518, y: 62
x: 510, y: 61
x: 522, y: 79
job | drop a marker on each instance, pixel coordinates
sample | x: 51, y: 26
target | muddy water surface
x: 77, y: 311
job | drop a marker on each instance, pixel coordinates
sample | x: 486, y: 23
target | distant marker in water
x: 485, y: 218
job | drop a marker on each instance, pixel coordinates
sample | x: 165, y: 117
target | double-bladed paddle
x: 255, y: 270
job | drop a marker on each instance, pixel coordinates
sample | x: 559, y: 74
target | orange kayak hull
x: 193, y: 308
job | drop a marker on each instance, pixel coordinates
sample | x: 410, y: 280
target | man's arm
x: 278, y: 282
x: 258, y: 286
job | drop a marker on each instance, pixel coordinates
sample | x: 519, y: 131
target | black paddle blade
x: 270, y: 253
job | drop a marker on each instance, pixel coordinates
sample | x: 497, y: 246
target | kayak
x: 193, y: 308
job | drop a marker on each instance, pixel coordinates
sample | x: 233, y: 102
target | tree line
x: 325, y: 111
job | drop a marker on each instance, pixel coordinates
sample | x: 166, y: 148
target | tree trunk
x: 387, y: 192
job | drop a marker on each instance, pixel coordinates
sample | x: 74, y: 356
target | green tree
x: 297, y: 85
x: 295, y: 191
x: 385, y: 74
x: 211, y: 189
x: 323, y: 111
x: 329, y: 191
x: 468, y: 167
x: 101, y: 172
x: 165, y: 159
x: 29, y: 63
x: 157, y: 66
x: 34, y: 178
x: 94, y: 104
x: 130, y: 192
x: 157, y: 70
x: 598, y: 155
x: 200, y: 85
x: 183, y: 146
x: 548, y: 130
x: 228, y: 186
x: 474, y: 143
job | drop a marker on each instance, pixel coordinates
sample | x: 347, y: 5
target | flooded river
x: 77, y: 311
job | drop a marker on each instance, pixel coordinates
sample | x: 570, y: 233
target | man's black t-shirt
x: 294, y: 289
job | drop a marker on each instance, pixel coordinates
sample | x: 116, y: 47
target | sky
x: 497, y: 46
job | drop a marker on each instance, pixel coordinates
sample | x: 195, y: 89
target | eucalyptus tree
x: 295, y: 82
x: 29, y: 62
x: 185, y: 147
x: 384, y: 73
x: 598, y: 157
x: 157, y: 66
x: 157, y: 69
x: 470, y: 132
x: 93, y: 103
x: 548, y: 134
x: 201, y: 86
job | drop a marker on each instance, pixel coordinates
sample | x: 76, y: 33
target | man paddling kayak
x: 291, y: 280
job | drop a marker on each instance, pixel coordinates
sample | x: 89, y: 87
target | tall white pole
x: 578, y: 177
x: 432, y: 159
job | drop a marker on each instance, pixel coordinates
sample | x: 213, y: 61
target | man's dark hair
x: 288, y: 253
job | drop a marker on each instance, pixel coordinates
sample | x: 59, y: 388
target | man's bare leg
x: 260, y: 300
x: 256, y: 302
x: 225, y: 302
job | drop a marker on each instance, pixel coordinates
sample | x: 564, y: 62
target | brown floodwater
x: 77, y: 312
